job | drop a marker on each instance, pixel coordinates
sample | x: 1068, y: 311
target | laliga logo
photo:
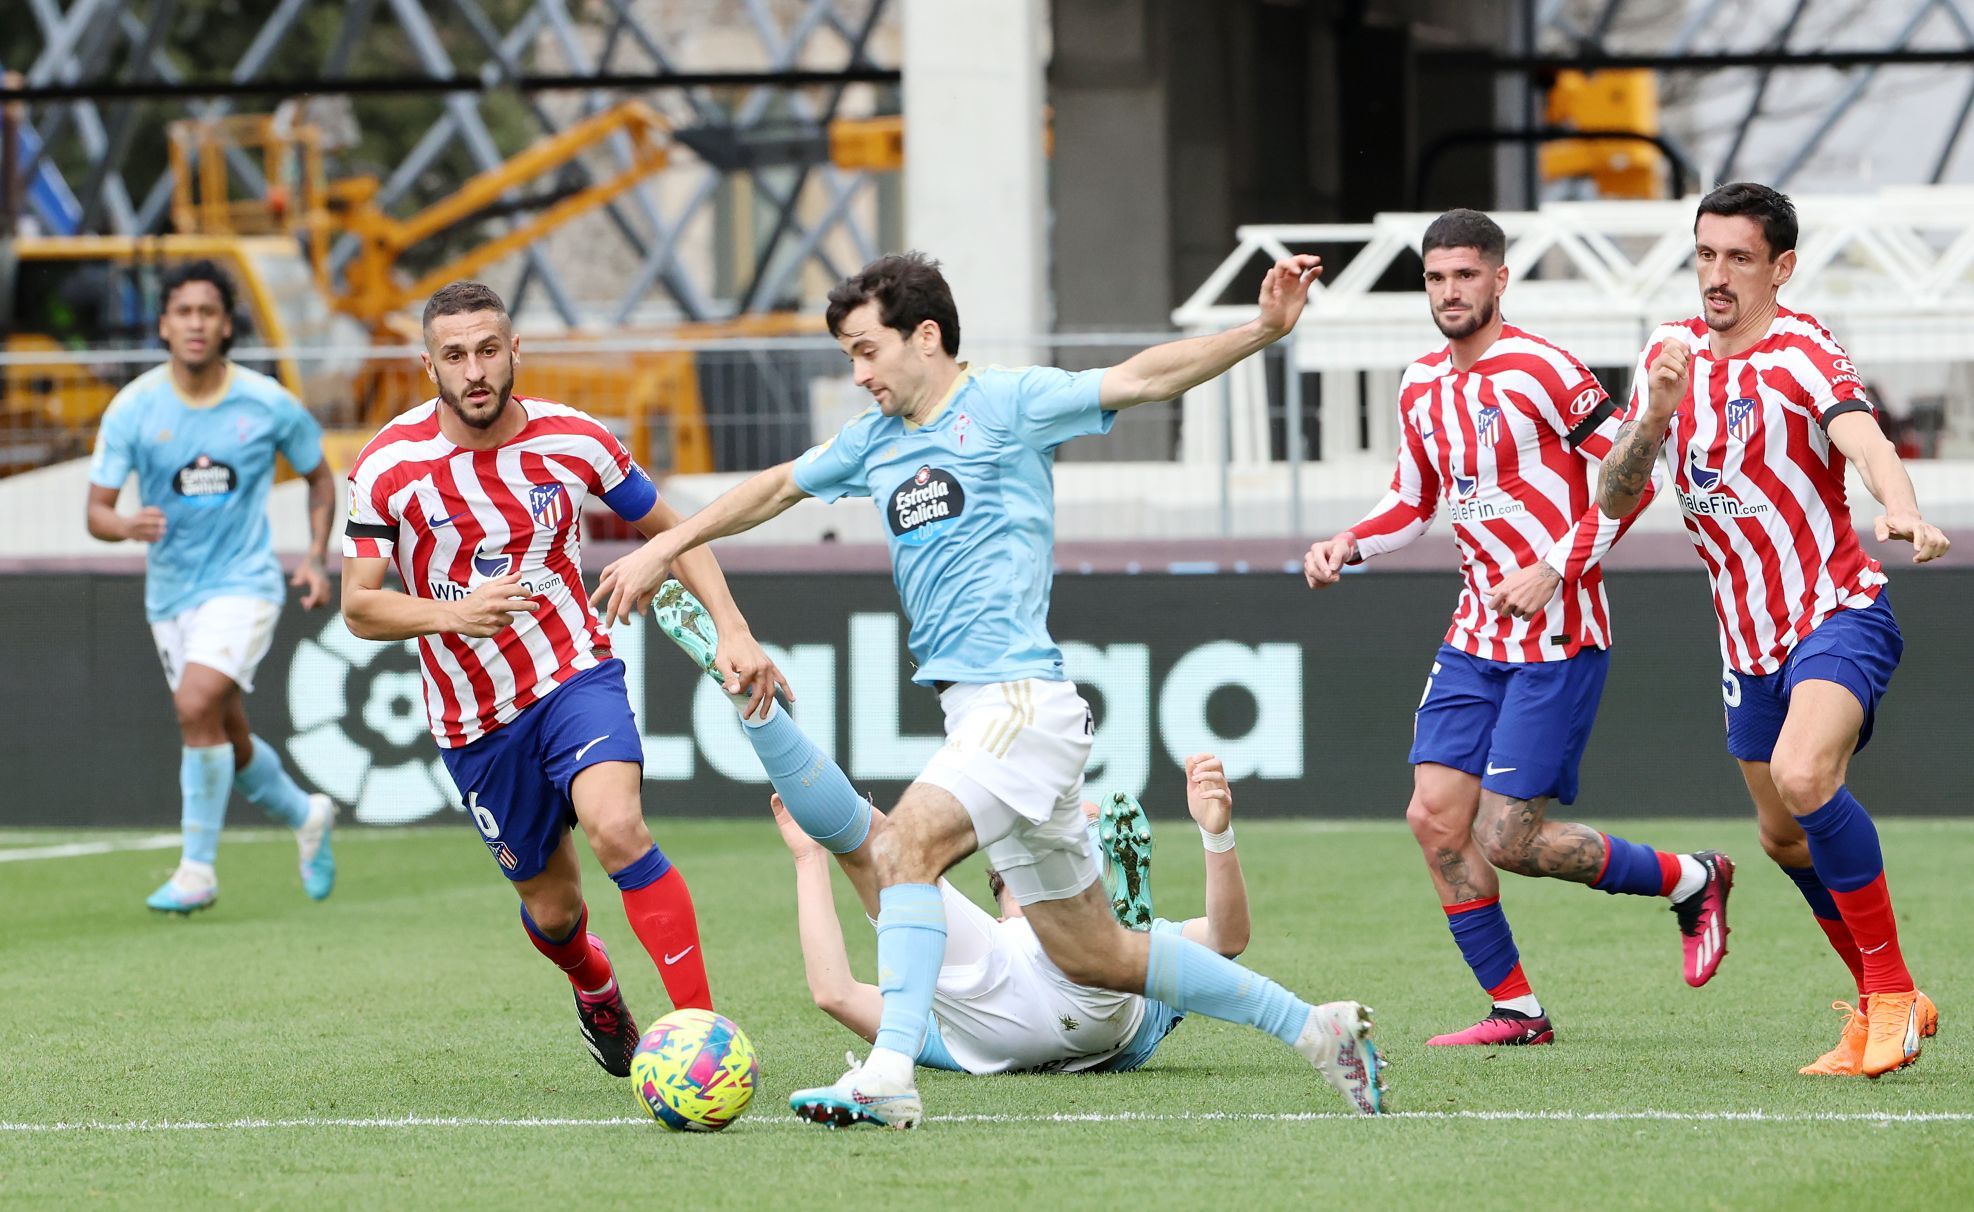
x: 358, y: 710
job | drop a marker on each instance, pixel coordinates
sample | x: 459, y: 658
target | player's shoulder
x: 246, y: 383
x: 1690, y: 332
x: 1428, y: 367
x: 140, y: 393
x: 1800, y: 330
x: 1519, y: 348
x: 405, y: 437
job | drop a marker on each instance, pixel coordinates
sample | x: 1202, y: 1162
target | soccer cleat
x: 1703, y: 919
x: 859, y: 1098
x: 691, y: 628
x: 1337, y: 1041
x: 1893, y: 1029
x: 1125, y: 840
x: 318, y: 860
x: 191, y: 888
x: 1501, y: 1028
x: 606, y: 1023
x: 1847, y: 1058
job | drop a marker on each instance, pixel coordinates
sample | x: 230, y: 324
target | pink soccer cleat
x: 1703, y: 918
x: 1500, y: 1029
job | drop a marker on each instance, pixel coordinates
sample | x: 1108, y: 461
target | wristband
x: 1217, y: 843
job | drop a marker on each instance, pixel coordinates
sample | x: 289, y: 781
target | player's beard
x: 1478, y: 317
x: 489, y: 414
x: 1720, y: 321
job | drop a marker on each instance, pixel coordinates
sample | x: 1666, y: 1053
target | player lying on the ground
x: 1756, y: 410
x: 476, y: 498
x: 1000, y: 1005
x: 201, y: 435
x: 959, y: 463
x: 1505, y: 427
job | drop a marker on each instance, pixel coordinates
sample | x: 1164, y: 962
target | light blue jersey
x: 968, y: 507
x: 209, y: 469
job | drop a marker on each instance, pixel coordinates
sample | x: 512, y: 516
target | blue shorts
x: 1857, y: 649
x: 515, y: 780
x: 1522, y: 728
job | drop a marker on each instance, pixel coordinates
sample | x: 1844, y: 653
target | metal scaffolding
x: 774, y: 135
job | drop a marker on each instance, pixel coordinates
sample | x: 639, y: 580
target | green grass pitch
x: 284, y: 1036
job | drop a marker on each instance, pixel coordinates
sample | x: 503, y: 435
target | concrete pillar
x: 974, y: 196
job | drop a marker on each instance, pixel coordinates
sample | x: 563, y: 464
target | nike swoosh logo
x: 447, y: 520
x: 673, y: 959
x: 1493, y: 769
x: 1875, y: 950
x: 590, y: 746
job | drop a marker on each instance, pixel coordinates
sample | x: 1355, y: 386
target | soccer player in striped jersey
x: 1756, y: 410
x: 1506, y: 427
x: 476, y: 499
x: 201, y: 435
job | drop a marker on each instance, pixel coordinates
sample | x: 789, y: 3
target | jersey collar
x: 225, y: 386
x: 939, y: 410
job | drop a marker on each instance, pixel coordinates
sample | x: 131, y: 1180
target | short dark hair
x: 1771, y: 208
x: 1463, y: 228
x: 202, y: 270
x: 462, y: 298
x: 909, y: 290
x: 995, y: 884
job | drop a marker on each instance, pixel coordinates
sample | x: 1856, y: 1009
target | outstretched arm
x: 1176, y: 367
x: 740, y: 660
x: 1225, y: 928
x: 628, y: 585
x: 1877, y: 462
x: 825, y: 961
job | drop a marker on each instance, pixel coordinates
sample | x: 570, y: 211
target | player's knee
x: 199, y: 710
x: 1804, y: 783
x: 900, y: 859
x: 1790, y: 851
x: 1433, y: 824
x: 619, y: 841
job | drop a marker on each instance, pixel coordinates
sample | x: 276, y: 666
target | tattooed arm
x: 1628, y: 467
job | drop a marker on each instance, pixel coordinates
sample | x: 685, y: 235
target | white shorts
x: 1014, y: 758
x: 1003, y: 1007
x: 230, y: 634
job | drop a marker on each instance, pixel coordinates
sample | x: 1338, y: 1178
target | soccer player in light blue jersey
x: 200, y: 434
x: 959, y: 461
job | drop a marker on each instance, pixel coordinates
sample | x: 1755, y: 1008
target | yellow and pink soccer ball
x: 694, y: 1071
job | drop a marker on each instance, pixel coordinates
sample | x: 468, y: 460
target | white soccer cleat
x: 1337, y: 1041
x: 191, y: 888
x: 318, y: 861
x: 860, y: 1097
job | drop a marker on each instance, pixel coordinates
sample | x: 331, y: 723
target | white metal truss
x: 812, y: 205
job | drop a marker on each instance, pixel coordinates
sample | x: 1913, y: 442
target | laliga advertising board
x: 359, y: 730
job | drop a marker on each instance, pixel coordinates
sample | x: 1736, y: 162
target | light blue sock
x: 911, y: 941
x: 816, y: 790
x: 267, y: 785
x: 205, y: 778
x: 1197, y: 980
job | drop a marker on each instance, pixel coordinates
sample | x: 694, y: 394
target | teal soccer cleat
x: 318, y: 860
x: 691, y: 628
x: 859, y: 1098
x: 1124, y: 840
x: 190, y: 889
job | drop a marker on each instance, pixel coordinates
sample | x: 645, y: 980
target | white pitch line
x: 418, y: 1121
x: 158, y: 841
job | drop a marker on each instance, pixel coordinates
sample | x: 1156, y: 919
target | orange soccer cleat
x: 1847, y: 1058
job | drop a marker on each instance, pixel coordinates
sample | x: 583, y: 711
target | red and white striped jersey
x: 450, y: 518
x: 1761, y: 485
x: 1511, y: 443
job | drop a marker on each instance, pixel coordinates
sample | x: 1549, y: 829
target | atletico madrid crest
x: 549, y: 504
x: 1742, y: 417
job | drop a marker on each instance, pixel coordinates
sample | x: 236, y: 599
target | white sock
x: 193, y: 874
x: 607, y: 987
x: 885, y: 1065
x: 1525, y: 1004
x: 1692, y: 877
x: 740, y: 702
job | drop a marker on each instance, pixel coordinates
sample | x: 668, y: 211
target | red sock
x: 1868, y: 913
x: 661, y: 915
x: 1846, y: 948
x: 1512, y: 986
x: 586, y: 966
x: 1668, y: 872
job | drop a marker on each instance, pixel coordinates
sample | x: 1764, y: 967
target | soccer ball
x: 694, y: 1071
